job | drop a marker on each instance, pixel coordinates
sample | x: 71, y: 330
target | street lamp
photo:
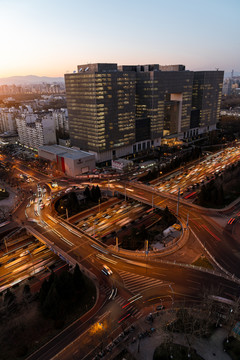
x: 152, y: 202
x: 178, y: 201
x: 172, y: 294
x: 32, y: 261
x: 5, y: 243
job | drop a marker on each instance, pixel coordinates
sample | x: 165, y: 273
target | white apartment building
x: 36, y: 130
x: 61, y: 119
x: 8, y: 120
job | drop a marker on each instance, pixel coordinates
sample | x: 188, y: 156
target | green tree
x: 9, y: 297
x: 52, y: 306
x: 46, y: 285
x: 220, y: 197
x: 87, y: 193
x: 98, y: 192
x: 93, y: 194
x: 26, y: 289
x: 77, y: 278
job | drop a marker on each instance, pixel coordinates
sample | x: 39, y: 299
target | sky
x: 52, y: 37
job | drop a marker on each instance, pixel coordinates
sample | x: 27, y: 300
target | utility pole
x: 178, y: 201
x: 170, y: 286
x: 146, y: 252
x: 32, y: 261
x: 146, y: 247
x: 5, y: 243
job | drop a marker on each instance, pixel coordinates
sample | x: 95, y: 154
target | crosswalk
x: 137, y: 283
x: 133, y: 310
x: 136, y: 313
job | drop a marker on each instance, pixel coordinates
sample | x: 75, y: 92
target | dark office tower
x: 101, y: 106
x: 206, y: 98
x: 165, y: 98
x: 118, y: 110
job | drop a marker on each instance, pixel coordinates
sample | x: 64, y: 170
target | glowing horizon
x: 51, y: 38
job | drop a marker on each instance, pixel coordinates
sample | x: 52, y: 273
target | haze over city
x: 51, y: 38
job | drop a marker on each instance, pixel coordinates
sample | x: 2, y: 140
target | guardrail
x: 62, y: 254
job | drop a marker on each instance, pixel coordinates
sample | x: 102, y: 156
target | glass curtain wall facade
x: 206, y: 97
x: 101, y: 105
x: 115, y: 107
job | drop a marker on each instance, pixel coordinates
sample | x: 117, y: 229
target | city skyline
x: 51, y: 38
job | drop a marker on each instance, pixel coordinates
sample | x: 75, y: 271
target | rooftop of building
x: 114, y: 67
x: 8, y: 134
x: 66, y: 152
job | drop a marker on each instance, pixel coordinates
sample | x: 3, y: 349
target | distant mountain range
x: 29, y: 79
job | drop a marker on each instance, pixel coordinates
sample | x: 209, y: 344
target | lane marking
x: 211, y: 233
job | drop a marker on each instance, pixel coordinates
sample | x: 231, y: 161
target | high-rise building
x: 118, y: 110
x: 101, y: 108
x: 8, y: 120
x: 206, y: 98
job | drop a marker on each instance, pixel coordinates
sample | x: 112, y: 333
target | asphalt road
x: 171, y: 283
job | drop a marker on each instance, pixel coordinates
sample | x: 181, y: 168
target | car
x: 26, y: 252
x: 106, y: 270
x: 160, y: 307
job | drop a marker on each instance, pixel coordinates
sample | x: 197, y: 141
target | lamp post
x: 5, y: 243
x: 32, y: 261
x: 172, y: 294
x: 178, y: 201
x: 146, y: 253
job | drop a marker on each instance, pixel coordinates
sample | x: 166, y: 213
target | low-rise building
x: 122, y: 164
x: 71, y: 161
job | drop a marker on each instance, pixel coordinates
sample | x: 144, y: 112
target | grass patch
x: 178, y: 352
x: 232, y: 348
x: 202, y: 261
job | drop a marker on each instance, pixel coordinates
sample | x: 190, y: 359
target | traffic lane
x: 33, y: 172
x: 224, y: 249
x: 221, y: 250
x: 181, y: 276
x: 69, y: 334
x: 81, y: 251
